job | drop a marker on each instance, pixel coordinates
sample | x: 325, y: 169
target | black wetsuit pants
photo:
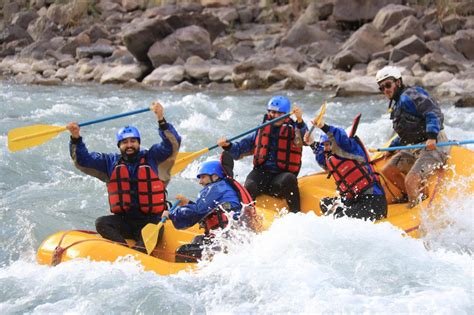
x: 283, y: 185
x: 372, y: 207
x: 117, y: 227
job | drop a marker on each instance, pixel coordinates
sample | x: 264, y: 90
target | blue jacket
x: 101, y: 165
x: 246, y: 146
x: 347, y: 145
x: 416, y: 117
x: 211, y: 196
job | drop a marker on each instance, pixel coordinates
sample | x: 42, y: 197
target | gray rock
x: 404, y: 29
x: 432, y: 79
x: 465, y: 101
x: 390, y: 15
x: 438, y: 63
x: 23, y: 19
x: 302, y: 34
x: 13, y: 33
x: 361, y: 85
x: 452, y: 23
x: 221, y: 73
x: 464, y: 43
x: 164, y: 75
x: 185, y: 42
x: 139, y: 37
x: 359, y: 47
x: 122, y: 74
x: 197, y: 68
x: 359, y: 10
x: 96, y: 50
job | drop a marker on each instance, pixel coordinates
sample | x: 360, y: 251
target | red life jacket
x: 288, y: 154
x: 218, y: 217
x: 151, y: 190
x: 352, y: 177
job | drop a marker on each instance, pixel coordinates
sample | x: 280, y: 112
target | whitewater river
x: 303, y: 264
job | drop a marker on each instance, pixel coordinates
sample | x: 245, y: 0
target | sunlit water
x: 303, y: 264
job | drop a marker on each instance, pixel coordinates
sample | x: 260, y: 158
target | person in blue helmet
x: 136, y: 179
x: 361, y: 193
x: 416, y: 118
x: 220, y: 200
x: 277, y: 151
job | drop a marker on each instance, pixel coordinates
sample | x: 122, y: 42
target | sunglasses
x: 386, y: 85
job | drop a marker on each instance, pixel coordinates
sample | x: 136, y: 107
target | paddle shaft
x: 253, y: 129
x: 420, y: 146
x: 96, y: 121
x: 86, y: 123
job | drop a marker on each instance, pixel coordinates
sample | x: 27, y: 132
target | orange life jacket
x: 151, y: 190
x: 288, y: 154
x: 218, y: 217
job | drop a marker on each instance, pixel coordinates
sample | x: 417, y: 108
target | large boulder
x: 391, y: 15
x: 301, y: 34
x: 464, y: 43
x: 359, y: 11
x: 362, y: 85
x: 12, y: 33
x: 184, y: 43
x: 359, y: 48
x: 407, y: 27
x: 409, y: 46
x: 165, y: 75
x: 122, y: 74
x: 139, y: 37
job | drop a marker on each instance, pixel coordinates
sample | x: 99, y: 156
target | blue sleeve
x: 209, y: 198
x: 243, y: 147
x: 161, y: 151
x: 319, y: 156
x: 84, y: 159
x: 344, y: 141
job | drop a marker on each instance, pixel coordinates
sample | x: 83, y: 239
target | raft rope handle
x: 58, y: 251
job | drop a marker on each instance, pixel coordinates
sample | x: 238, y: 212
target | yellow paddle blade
x: 184, y: 158
x: 380, y: 154
x: 150, y: 236
x: 27, y: 137
x: 322, y: 111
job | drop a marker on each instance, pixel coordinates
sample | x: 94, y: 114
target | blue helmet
x: 127, y: 132
x: 323, y: 138
x: 279, y: 104
x: 209, y: 168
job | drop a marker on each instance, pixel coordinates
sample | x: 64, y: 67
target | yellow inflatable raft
x: 67, y: 245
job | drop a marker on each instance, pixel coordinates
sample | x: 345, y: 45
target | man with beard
x: 416, y: 118
x: 136, y: 179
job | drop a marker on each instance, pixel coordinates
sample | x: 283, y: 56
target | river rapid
x: 303, y: 264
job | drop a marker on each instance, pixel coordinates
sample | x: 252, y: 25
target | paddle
x: 320, y: 116
x: 30, y: 136
x: 151, y: 231
x: 420, y: 146
x: 184, y: 158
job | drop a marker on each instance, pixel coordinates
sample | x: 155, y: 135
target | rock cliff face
x: 337, y: 44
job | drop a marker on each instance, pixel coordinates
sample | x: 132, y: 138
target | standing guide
x: 416, y: 118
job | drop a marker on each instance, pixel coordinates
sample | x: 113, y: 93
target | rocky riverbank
x: 328, y: 44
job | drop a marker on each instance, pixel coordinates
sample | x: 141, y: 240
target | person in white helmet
x: 416, y: 118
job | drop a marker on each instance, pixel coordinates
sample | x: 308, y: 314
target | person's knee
x: 252, y: 187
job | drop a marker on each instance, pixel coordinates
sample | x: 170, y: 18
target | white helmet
x: 387, y: 72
